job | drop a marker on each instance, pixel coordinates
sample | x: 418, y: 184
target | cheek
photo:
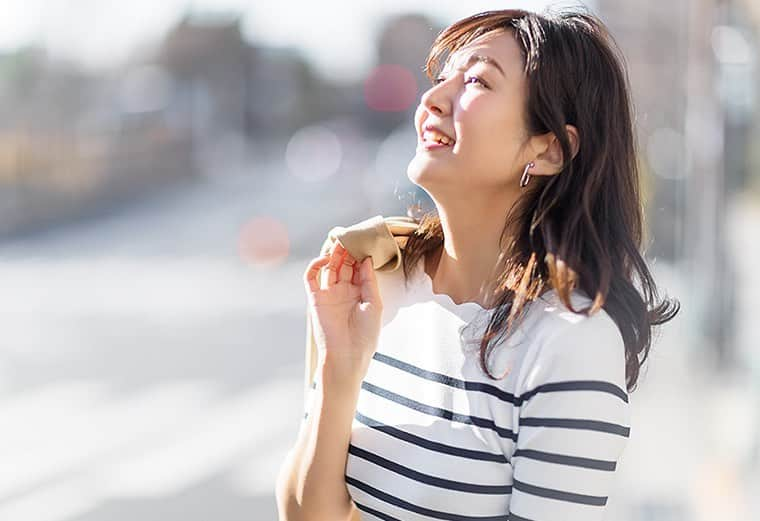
x: 417, y: 120
x: 489, y: 143
x: 418, y: 113
x: 490, y: 122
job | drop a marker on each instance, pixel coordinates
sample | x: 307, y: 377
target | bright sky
x: 336, y: 35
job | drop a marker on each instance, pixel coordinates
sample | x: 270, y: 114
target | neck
x: 464, y: 267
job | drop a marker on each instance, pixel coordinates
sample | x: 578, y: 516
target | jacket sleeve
x: 573, y: 423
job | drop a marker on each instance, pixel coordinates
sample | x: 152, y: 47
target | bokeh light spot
x: 264, y: 240
x: 390, y: 88
x: 313, y: 153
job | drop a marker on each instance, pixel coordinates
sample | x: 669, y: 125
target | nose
x: 436, y: 99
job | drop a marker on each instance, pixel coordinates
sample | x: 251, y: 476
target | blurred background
x: 168, y: 169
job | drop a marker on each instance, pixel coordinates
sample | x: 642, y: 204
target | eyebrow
x: 474, y: 58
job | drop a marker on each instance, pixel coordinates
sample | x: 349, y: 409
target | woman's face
x: 480, y: 106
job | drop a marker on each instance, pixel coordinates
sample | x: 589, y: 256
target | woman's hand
x: 345, y: 307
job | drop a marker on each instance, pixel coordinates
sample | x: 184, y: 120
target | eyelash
x: 439, y: 79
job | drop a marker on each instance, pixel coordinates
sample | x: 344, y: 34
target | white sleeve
x: 573, y: 424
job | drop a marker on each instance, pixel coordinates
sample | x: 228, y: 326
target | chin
x: 423, y: 167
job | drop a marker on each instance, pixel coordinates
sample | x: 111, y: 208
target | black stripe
x: 426, y: 478
x: 561, y: 459
x: 393, y: 500
x: 569, y: 423
x: 428, y: 444
x: 576, y: 385
x: 515, y: 517
x: 560, y: 495
x: 570, y: 385
x: 446, y: 379
x: 375, y: 513
x: 436, y: 411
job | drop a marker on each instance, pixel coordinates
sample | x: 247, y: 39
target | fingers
x: 312, y: 272
x: 356, y: 276
x: 370, y: 292
x: 349, y: 260
x: 334, y: 267
x: 340, y: 267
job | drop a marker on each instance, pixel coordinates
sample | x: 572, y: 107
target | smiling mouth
x: 430, y: 144
x: 434, y: 137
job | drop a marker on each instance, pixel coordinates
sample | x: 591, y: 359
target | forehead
x: 499, y: 44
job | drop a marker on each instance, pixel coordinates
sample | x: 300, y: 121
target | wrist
x: 342, y: 371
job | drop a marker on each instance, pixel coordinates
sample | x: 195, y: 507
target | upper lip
x: 430, y: 126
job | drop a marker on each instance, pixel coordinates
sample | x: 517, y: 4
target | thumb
x: 368, y: 282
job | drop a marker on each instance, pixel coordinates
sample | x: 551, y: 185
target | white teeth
x: 432, y: 135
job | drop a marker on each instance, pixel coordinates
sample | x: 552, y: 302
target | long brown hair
x: 586, y: 224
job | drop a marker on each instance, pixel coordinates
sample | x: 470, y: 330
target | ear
x: 548, y: 160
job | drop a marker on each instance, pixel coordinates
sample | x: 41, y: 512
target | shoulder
x: 569, y: 345
x: 560, y: 325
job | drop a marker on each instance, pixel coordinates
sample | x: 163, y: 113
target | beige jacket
x: 383, y: 239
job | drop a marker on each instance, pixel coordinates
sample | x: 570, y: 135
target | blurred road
x: 148, y: 372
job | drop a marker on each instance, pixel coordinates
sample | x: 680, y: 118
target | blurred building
x: 75, y: 142
x: 695, y: 87
x: 70, y: 145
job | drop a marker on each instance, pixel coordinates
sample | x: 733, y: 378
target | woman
x: 526, y: 146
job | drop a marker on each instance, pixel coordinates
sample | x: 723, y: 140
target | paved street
x: 146, y: 370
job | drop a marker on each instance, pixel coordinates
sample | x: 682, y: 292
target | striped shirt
x: 433, y: 437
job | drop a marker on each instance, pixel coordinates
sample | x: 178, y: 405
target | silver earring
x: 525, y: 175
